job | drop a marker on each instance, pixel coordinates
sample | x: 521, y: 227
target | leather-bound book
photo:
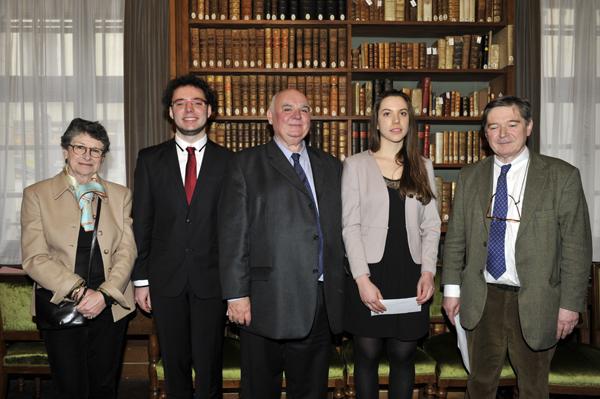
x: 284, y: 51
x: 228, y: 51
x: 262, y: 94
x: 355, y: 143
x: 236, y: 95
x: 320, y: 10
x: 274, y: 8
x: 485, y: 51
x: 464, y: 106
x: 331, y: 12
x: 341, y: 9
x: 325, y: 134
x: 245, y: 9
x: 236, y: 55
x: 453, y: 10
x: 416, y: 55
x: 315, y: 47
x: 369, y: 97
x: 342, y: 47
x: 426, y: 85
x: 362, y: 100
x: 342, y: 95
x: 294, y: 9
x: 193, y: 9
x: 334, y: 96
x: 214, y: 9
x: 268, y: 48
x: 356, y: 98
x: 282, y: 10
x: 421, y: 139
x: 258, y: 9
x: 489, y: 10
x: 370, y: 55
x: 342, y: 139
x: 308, y: 9
x: 267, y: 9
x: 276, y: 48
x: 203, y: 48
x: 284, y: 81
x: 404, y: 56
x: 227, y: 92
x: 317, y: 108
x: 219, y: 87
x: 333, y: 138
x: 292, y: 82
x: 244, y: 48
x: 409, y: 56
x: 199, y: 9
x: 299, y: 47
x: 301, y: 83
x: 389, y: 10
x: 252, y: 47
x: 253, y: 85
x: 427, y: 10
x: 323, y: 41
x: 422, y: 55
x: 228, y: 133
x: 206, y: 8
x: 291, y: 42
x: 469, y: 156
x: 245, y: 89
x: 496, y: 10
x: 333, y: 48
x: 314, y: 138
x: 417, y: 100
x: 427, y: 141
x: 364, y: 136
x: 194, y: 46
x: 466, y: 51
x: 356, y: 58
x: 220, y: 48
x: 411, y: 6
x: 307, y: 57
x: 260, y: 48
x: 212, y: 47
x: 458, y: 52
x: 223, y: 13
x: 310, y: 89
x: 475, y: 52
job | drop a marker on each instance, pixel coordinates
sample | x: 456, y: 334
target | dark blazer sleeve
x: 143, y: 216
x: 233, y: 234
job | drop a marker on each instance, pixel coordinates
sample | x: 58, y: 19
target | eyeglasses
x: 290, y: 109
x: 81, y: 150
x: 489, y: 215
x: 197, y: 104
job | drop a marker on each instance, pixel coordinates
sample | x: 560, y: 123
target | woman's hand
x: 370, y: 294
x: 92, y: 304
x: 425, y: 287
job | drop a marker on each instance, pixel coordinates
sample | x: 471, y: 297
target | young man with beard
x: 176, y: 275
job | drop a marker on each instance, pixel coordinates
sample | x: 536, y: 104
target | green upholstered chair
x: 21, y: 350
x: 424, y: 371
x: 575, y: 368
x: 437, y: 322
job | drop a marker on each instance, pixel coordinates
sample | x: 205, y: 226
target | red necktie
x: 190, y: 174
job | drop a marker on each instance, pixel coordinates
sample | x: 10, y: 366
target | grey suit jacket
x: 268, y: 243
x: 553, y: 250
x: 365, y: 204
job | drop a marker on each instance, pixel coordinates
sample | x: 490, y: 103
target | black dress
x: 396, y: 276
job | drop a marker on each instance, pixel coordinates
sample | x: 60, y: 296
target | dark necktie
x: 496, y: 262
x: 304, y: 179
x: 190, y: 174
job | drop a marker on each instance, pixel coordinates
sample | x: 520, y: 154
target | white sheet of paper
x: 398, y: 306
x: 461, y: 341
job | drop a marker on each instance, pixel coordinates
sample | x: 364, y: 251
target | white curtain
x: 59, y: 59
x: 570, y: 93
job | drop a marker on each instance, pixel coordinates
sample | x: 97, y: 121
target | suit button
x: 485, y: 243
x: 187, y: 220
x: 110, y: 269
x: 316, y: 237
x: 106, y: 251
x: 99, y: 232
x: 187, y: 250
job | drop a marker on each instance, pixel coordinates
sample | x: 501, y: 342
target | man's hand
x: 142, y: 298
x: 425, y: 287
x: 370, y: 294
x: 452, y: 306
x: 92, y: 304
x: 567, y: 320
x: 238, y: 311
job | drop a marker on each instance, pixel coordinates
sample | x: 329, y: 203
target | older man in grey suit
x: 281, y: 256
x: 517, y: 255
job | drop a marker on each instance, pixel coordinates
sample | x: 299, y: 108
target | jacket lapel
x: 536, y: 177
x: 208, y: 168
x: 173, y: 172
x: 318, y: 172
x: 284, y: 167
x: 485, y: 185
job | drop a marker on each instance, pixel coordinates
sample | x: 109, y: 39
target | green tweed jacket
x: 553, y: 250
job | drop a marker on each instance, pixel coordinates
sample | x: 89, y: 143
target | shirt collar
x: 288, y: 154
x: 521, y: 159
x: 182, y: 145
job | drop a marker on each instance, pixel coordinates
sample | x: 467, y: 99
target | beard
x: 190, y: 132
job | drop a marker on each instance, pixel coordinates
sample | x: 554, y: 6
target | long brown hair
x: 414, y: 181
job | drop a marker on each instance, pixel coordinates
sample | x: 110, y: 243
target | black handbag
x: 49, y: 316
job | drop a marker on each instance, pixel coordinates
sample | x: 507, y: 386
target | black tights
x: 401, y: 355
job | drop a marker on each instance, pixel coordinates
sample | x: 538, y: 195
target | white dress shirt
x: 516, y: 179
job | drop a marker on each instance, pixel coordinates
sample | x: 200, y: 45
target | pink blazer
x: 365, y: 213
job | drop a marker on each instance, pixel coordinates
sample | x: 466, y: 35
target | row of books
x: 452, y: 52
x: 452, y: 147
x: 429, y: 10
x: 425, y: 101
x: 250, y: 95
x: 268, y: 48
x: 330, y: 136
x: 267, y: 9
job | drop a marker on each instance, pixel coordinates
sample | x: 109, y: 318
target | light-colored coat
x: 553, y: 251
x: 50, y: 220
x: 365, y: 217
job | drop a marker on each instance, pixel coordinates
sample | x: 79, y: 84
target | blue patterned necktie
x: 496, y: 262
x: 304, y: 179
